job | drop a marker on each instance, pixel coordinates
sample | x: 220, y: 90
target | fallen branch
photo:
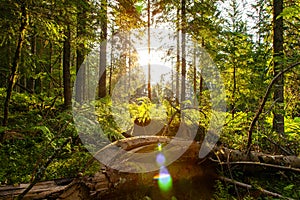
x: 281, y: 147
x: 256, y: 163
x: 257, y: 157
x: 247, y: 186
x: 263, y: 102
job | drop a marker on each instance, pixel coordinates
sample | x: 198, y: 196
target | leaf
x: 45, y: 130
x: 289, y: 187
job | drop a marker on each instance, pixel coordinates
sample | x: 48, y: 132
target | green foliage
x: 17, y: 160
x: 70, y: 163
x: 20, y: 102
x: 141, y: 110
x: 107, y: 120
x: 292, y: 126
x: 290, y: 140
x: 33, y: 136
x: 292, y: 134
x: 222, y: 191
x: 45, y: 132
x: 234, y: 133
x: 290, y: 12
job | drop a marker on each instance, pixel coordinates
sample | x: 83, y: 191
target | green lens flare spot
x: 164, y: 180
x: 165, y: 183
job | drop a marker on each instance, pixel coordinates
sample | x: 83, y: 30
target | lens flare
x: 164, y: 180
x: 159, y: 147
x: 160, y: 159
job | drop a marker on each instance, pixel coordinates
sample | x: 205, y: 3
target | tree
x: 16, y: 60
x: 81, y: 48
x: 236, y: 60
x: 148, y: 43
x: 103, y: 37
x: 183, y: 49
x: 177, y: 52
x: 66, y: 68
x: 278, y: 118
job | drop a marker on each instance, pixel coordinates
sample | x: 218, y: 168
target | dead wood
x: 228, y: 155
x: 247, y: 186
x: 110, y: 183
x: 257, y: 164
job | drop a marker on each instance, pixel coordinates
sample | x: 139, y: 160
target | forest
x: 140, y: 99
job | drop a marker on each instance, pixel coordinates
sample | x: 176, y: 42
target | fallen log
x: 229, y: 155
x: 190, y: 175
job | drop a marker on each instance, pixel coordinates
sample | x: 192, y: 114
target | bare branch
x: 263, y: 102
x: 247, y: 186
x: 256, y: 163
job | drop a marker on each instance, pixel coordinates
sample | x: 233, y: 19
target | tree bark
x: 111, y: 62
x: 148, y: 44
x: 80, y: 50
x: 30, y: 81
x: 183, y: 48
x: 177, y: 54
x: 278, y: 118
x: 66, y: 68
x: 16, y: 61
x: 102, y: 70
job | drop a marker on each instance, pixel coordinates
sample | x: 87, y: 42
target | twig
x: 256, y: 163
x: 247, y: 186
x: 263, y: 102
x: 230, y: 173
x: 283, y: 149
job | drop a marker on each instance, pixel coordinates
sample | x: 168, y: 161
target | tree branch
x: 256, y: 163
x: 247, y: 186
x: 263, y: 102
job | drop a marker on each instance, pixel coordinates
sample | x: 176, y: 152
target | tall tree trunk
x: 50, y: 68
x: 111, y: 63
x: 149, y: 64
x: 38, y: 83
x: 278, y: 118
x: 195, y: 74
x: 80, y: 50
x: 66, y: 68
x: 201, y: 77
x: 102, y: 70
x: 177, y: 54
x: 15, y: 64
x: 87, y: 87
x: 30, y: 82
x: 233, y: 90
x: 202, y: 46
x: 183, y: 52
x: 129, y: 61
